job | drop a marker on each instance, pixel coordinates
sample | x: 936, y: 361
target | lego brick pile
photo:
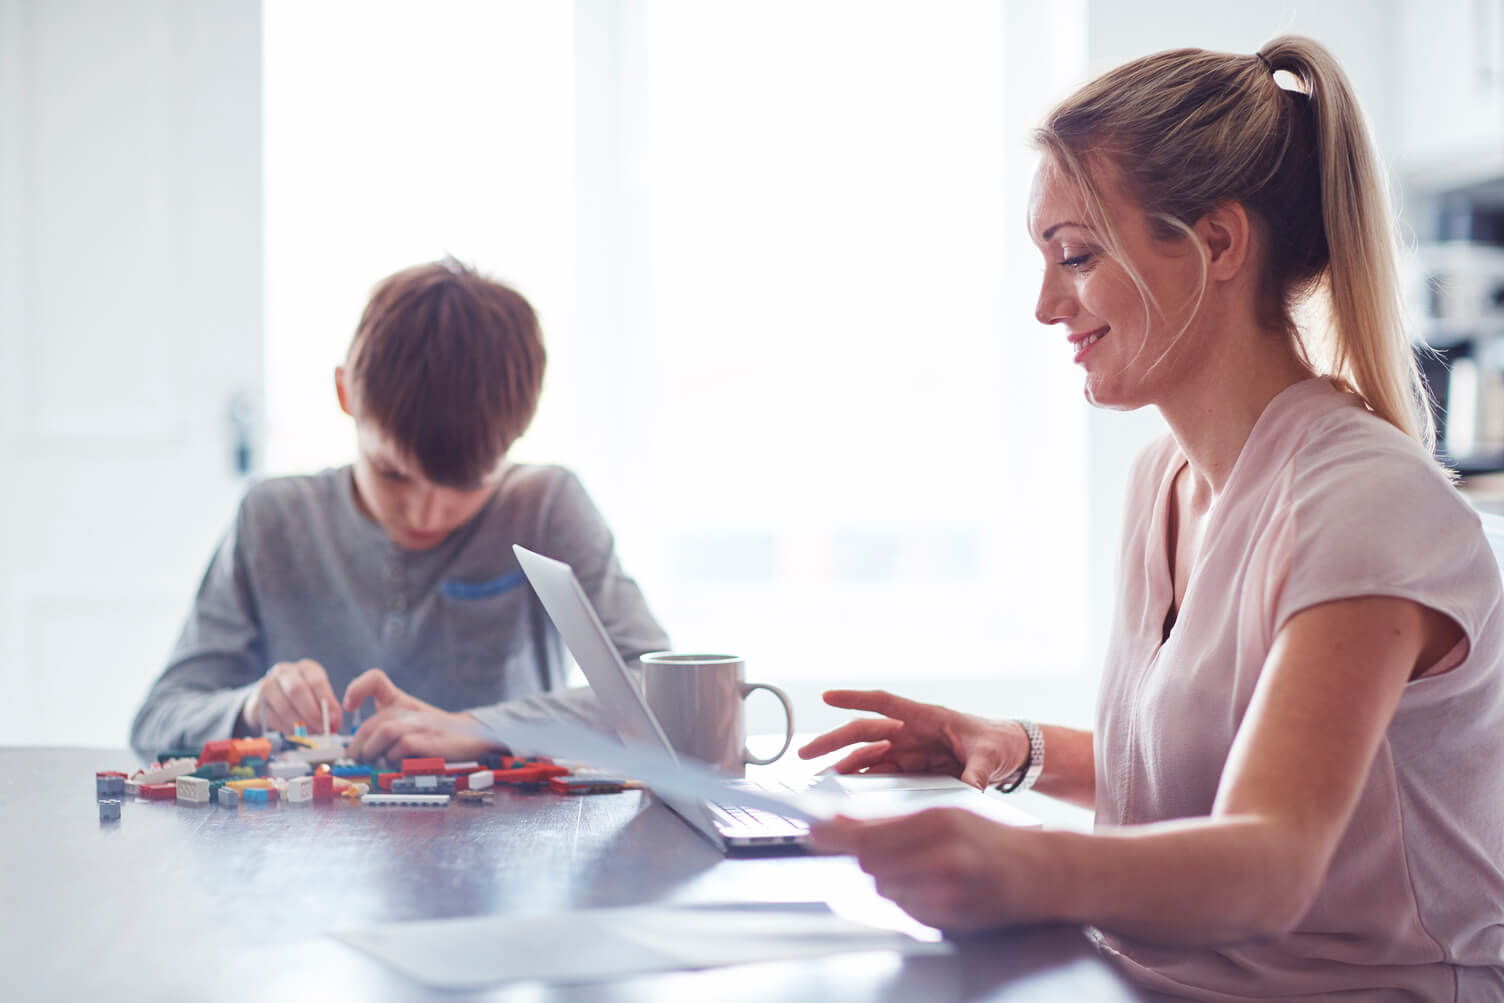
x: 303, y: 769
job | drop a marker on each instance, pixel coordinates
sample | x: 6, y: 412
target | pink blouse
x: 1325, y: 502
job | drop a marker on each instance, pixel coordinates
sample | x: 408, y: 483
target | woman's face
x: 1114, y: 335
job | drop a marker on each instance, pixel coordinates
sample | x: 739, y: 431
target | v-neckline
x: 1167, y: 519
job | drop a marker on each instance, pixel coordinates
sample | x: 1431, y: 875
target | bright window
x: 778, y: 250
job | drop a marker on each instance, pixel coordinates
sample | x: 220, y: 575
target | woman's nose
x: 1054, y: 304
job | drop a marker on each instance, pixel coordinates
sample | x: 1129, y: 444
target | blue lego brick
x: 229, y: 797
x: 257, y: 795
x: 109, y: 810
x: 108, y: 786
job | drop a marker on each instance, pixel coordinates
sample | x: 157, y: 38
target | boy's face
x: 415, y: 513
x: 391, y: 490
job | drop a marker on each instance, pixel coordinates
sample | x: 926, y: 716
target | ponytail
x: 1370, y: 350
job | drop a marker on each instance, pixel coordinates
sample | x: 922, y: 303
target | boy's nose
x: 427, y: 511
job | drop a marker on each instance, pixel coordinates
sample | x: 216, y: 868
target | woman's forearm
x: 1070, y: 771
x: 1193, y: 881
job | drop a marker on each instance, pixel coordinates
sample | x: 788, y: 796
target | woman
x: 1299, y: 741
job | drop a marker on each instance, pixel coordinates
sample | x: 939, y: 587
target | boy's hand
x: 291, y: 692
x: 405, y: 726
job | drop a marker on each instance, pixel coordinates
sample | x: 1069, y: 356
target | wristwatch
x: 1023, y: 778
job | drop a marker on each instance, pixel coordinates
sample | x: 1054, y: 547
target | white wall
x: 130, y: 315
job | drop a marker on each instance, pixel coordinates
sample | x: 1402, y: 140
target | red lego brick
x: 461, y: 781
x: 585, y: 785
x: 384, y: 780
x: 526, y: 773
x: 160, y: 792
x: 323, y: 787
x: 418, y: 767
x: 215, y: 752
x: 111, y: 773
x: 461, y: 769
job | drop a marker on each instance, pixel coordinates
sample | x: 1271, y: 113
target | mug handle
x: 788, y: 710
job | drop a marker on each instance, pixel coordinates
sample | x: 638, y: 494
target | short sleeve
x: 1381, y: 521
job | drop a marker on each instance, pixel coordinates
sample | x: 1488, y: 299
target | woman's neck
x: 1212, y: 415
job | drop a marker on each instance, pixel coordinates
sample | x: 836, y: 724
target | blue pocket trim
x: 482, y: 590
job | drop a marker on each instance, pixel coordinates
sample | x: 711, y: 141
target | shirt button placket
x: 391, y: 627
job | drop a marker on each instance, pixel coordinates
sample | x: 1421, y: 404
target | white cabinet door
x: 130, y: 318
x: 1451, y: 89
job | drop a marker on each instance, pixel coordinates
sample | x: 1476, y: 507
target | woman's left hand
x: 946, y: 867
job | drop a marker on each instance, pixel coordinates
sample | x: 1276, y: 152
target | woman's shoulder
x: 1348, y: 452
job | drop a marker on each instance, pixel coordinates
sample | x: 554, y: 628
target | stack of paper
x: 598, y: 944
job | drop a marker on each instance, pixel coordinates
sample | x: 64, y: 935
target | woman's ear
x: 1226, y: 233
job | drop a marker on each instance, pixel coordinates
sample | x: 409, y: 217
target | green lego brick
x: 167, y: 754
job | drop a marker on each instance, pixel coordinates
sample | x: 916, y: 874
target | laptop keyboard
x: 754, y: 823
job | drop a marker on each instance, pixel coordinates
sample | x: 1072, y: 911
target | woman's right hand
x: 914, y: 737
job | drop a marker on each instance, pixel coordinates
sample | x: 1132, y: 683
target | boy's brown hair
x: 449, y: 364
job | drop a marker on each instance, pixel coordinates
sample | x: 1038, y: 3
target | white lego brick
x: 481, y: 779
x: 300, y: 790
x: 170, y: 770
x: 398, y: 800
x: 194, y: 789
x: 133, y: 787
x: 468, y: 764
x: 426, y: 780
x: 286, y: 769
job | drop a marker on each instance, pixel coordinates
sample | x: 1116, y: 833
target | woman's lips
x: 1083, y: 342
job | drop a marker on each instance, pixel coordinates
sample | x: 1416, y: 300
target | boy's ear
x: 339, y: 389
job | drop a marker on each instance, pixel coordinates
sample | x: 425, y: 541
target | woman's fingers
x: 865, y: 757
x: 865, y: 729
x: 877, y: 701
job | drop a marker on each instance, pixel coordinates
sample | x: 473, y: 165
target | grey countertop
x: 178, y: 903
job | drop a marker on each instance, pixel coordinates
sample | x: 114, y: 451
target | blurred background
x: 779, y: 256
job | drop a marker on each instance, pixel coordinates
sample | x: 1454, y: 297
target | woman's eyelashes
x: 1076, y: 260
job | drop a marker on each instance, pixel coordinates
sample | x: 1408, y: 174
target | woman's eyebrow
x: 1051, y: 231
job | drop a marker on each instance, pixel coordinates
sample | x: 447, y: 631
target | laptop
x: 729, y: 828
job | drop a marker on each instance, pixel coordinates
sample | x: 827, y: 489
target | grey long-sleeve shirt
x: 303, y: 574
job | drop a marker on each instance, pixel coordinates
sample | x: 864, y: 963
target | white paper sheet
x: 682, y: 779
x: 592, y: 945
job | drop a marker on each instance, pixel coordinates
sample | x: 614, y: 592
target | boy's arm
x: 573, y: 530
x: 216, y: 663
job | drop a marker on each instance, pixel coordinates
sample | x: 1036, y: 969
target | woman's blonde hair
x: 1188, y: 129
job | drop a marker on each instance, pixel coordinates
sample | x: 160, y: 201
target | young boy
x: 403, y: 559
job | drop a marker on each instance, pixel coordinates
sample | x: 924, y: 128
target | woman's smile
x: 1082, y: 342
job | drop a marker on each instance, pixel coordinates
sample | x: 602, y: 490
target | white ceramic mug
x: 698, y: 700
